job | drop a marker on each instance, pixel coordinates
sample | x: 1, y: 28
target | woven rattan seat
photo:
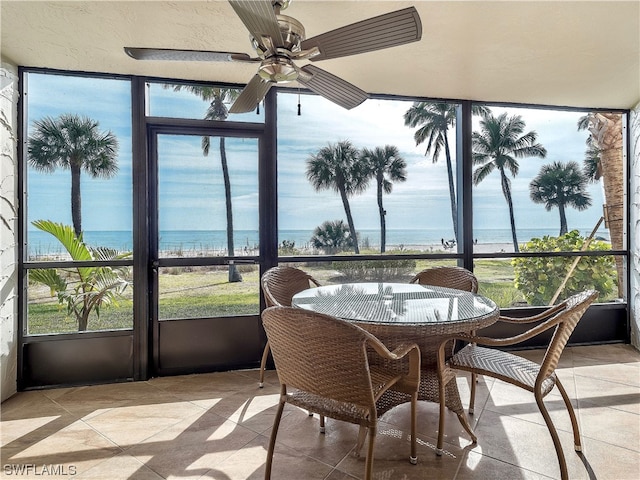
x: 279, y: 284
x: 536, y: 378
x: 323, y: 364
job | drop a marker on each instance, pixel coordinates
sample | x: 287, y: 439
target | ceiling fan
x: 279, y: 40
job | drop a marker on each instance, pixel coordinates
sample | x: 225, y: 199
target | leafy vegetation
x: 84, y: 290
x: 538, y: 278
x: 374, y: 270
x: 332, y: 237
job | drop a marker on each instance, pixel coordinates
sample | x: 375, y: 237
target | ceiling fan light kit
x: 280, y: 39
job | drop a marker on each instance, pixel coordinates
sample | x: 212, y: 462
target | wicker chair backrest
x: 322, y: 355
x: 281, y: 283
x: 450, y: 277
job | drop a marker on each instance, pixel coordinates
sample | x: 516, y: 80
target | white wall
x: 634, y: 234
x: 8, y: 230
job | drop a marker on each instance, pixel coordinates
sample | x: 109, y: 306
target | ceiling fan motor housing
x: 278, y: 68
x: 277, y: 65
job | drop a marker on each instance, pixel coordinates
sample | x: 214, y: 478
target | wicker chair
x: 452, y: 277
x: 279, y: 285
x: 538, y: 379
x: 323, y: 366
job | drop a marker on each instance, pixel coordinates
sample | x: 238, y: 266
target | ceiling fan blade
x: 252, y: 94
x: 186, y: 55
x: 331, y: 87
x: 259, y: 18
x: 384, y: 31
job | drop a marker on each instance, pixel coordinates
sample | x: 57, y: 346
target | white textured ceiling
x: 568, y: 53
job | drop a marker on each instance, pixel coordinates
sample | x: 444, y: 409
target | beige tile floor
x: 216, y: 426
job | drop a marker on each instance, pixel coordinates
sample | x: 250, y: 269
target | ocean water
x: 178, y: 241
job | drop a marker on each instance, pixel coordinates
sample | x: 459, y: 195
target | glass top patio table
x: 401, y: 313
x: 437, y: 309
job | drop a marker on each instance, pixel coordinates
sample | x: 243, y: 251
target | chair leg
x: 474, y: 380
x: 368, y: 469
x: 574, y: 422
x: 464, y: 421
x: 443, y: 385
x: 362, y: 434
x: 263, y: 364
x: 441, y: 402
x: 472, y: 396
x: 413, y: 459
x: 564, y: 475
x: 272, y: 441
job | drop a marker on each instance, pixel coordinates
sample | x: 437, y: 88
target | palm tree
x: 73, y: 142
x: 338, y: 167
x: 591, y: 165
x: 434, y: 120
x: 607, y: 139
x: 219, y: 98
x: 332, y: 236
x: 497, y: 147
x: 82, y: 289
x: 560, y: 185
x: 386, y: 166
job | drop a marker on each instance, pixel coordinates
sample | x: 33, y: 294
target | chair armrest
x: 534, y: 318
x: 500, y: 342
x: 409, y: 351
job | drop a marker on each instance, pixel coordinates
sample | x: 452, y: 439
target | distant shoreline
x: 212, y: 243
x: 398, y: 249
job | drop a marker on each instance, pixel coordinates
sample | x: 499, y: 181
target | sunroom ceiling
x: 567, y: 53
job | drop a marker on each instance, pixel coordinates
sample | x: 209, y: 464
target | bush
x: 332, y: 237
x: 375, y: 270
x: 538, y: 278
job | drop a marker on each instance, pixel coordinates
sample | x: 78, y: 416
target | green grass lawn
x: 206, y: 292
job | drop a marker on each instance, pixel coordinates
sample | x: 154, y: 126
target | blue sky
x: 191, y: 183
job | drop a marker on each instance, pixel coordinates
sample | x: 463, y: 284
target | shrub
x: 332, y: 237
x: 538, y: 278
x: 375, y: 270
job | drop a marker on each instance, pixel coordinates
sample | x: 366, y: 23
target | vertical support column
x: 464, y: 172
x: 141, y: 318
x: 268, y: 186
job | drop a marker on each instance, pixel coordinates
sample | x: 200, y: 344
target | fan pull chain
x: 258, y: 109
x: 299, y: 111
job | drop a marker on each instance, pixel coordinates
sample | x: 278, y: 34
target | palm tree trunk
x: 76, y: 202
x: 234, y: 275
x: 563, y: 219
x: 383, y: 222
x: 347, y: 211
x: 452, y: 191
x: 506, y: 190
x: 606, y: 129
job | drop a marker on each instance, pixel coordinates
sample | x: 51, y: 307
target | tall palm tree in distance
x: 73, y: 142
x: 219, y: 98
x: 498, y: 146
x: 434, y: 120
x: 561, y: 185
x: 387, y: 167
x: 339, y: 167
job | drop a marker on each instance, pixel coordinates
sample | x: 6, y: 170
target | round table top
x: 398, y: 304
